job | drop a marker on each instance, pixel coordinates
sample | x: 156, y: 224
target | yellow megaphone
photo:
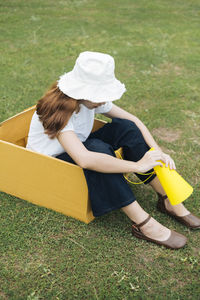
x: 176, y: 188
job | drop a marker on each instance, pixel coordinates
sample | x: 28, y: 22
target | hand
x: 168, y: 161
x: 152, y: 159
x: 149, y: 161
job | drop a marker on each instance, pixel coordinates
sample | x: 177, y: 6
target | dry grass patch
x: 166, y: 134
x: 168, y: 68
x: 3, y: 296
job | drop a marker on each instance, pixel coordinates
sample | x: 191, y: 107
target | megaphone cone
x: 176, y: 188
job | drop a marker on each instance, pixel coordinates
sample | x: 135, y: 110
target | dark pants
x: 109, y: 191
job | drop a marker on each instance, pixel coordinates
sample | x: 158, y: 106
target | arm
x: 101, y: 162
x: 117, y: 112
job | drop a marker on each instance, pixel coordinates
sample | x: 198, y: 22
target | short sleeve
x: 69, y: 125
x: 104, y: 108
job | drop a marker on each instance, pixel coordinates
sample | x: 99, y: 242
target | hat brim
x: 76, y: 89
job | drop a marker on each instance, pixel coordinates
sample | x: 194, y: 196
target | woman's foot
x: 179, y: 212
x: 147, y: 228
x: 153, y: 231
x: 179, y: 209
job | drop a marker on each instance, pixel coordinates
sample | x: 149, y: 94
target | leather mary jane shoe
x: 190, y: 220
x: 175, y: 241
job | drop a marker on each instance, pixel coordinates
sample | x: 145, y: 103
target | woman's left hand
x: 168, y: 161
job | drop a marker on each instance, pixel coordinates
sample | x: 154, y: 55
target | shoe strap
x: 163, y: 197
x: 137, y: 226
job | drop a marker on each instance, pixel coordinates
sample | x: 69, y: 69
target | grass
x: 46, y: 255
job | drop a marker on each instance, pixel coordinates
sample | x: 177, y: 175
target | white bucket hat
x: 92, y: 78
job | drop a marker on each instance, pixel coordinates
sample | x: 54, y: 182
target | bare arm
x: 101, y: 162
x: 117, y: 112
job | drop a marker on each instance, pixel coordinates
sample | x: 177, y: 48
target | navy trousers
x: 110, y: 191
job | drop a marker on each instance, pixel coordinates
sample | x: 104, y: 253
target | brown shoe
x: 190, y: 220
x: 175, y: 241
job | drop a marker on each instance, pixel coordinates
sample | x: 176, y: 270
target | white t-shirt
x: 81, y: 123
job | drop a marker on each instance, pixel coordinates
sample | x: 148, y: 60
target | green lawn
x: 156, y: 46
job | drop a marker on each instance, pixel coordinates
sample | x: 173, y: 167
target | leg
x: 152, y: 229
x: 178, y: 209
x: 107, y: 191
x: 149, y: 229
x: 111, y: 191
x: 125, y: 133
x: 179, y: 212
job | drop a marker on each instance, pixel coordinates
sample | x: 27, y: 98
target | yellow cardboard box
x: 41, y: 179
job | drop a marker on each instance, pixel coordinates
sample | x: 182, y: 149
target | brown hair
x: 55, y: 109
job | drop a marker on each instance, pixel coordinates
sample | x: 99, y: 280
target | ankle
x: 178, y: 209
x: 154, y: 229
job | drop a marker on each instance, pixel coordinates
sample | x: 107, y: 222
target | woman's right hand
x: 149, y: 161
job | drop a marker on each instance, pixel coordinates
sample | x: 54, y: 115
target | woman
x: 61, y: 127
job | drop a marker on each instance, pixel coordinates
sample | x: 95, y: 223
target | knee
x: 97, y: 145
x: 127, y: 125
